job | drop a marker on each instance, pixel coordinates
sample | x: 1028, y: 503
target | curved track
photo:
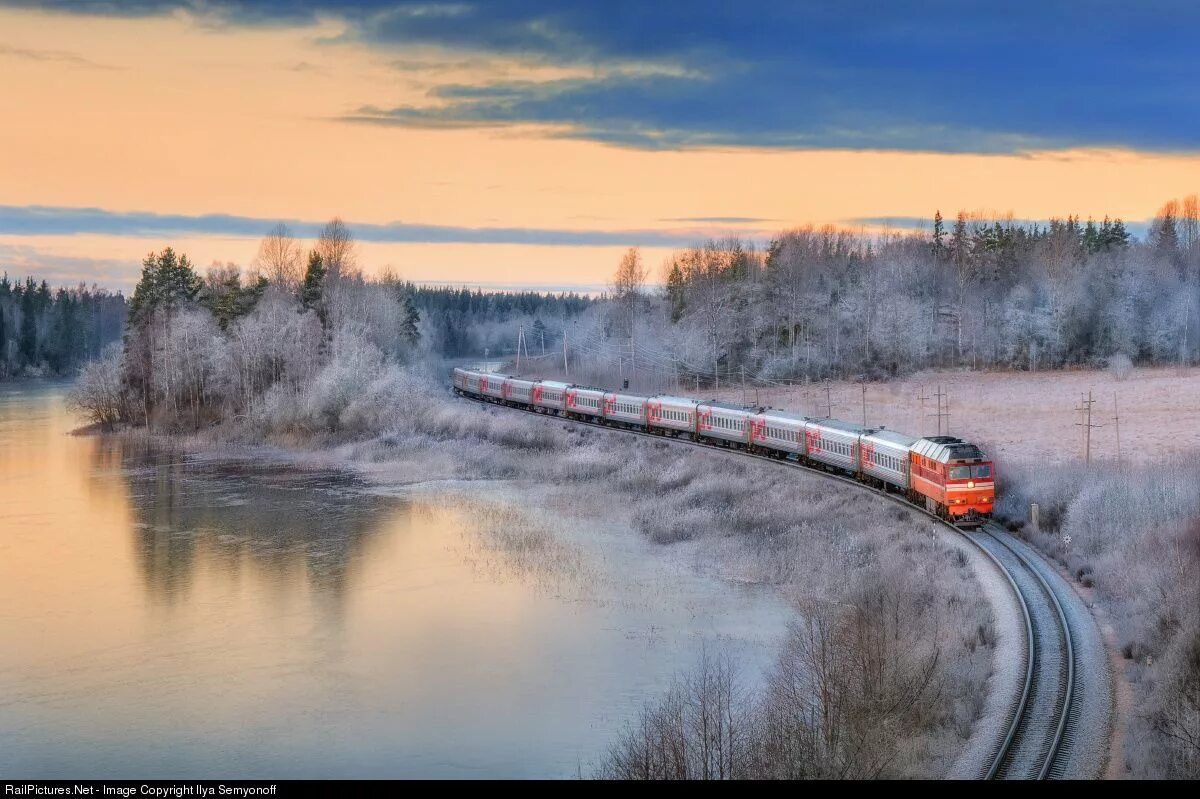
x: 1042, y: 718
x: 1040, y: 729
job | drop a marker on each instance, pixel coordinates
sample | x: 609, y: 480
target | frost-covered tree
x: 280, y: 258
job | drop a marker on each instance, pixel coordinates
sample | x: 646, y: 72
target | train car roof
x: 554, y: 383
x: 578, y: 387
x: 529, y: 380
x: 944, y: 449
x: 778, y: 413
x: 838, y: 424
x: 891, y: 437
x: 674, y: 399
x: 729, y: 406
x: 627, y: 395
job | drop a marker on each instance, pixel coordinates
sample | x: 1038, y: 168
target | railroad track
x: 1041, y: 722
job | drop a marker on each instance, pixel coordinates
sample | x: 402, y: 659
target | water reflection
x: 245, y: 520
x: 173, y: 616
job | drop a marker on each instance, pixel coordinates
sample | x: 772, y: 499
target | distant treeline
x: 46, y: 331
x: 977, y: 293
x: 462, y: 322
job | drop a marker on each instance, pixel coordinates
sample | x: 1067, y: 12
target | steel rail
x: 1068, y: 689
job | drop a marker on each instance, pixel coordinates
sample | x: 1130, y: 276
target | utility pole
x: 1085, y: 412
x: 632, y: 358
x: 566, y: 369
x: 520, y: 343
x: 864, y: 401
x: 743, y: 384
x: 940, y: 395
x: 828, y: 402
x: 1117, y: 422
x: 921, y: 399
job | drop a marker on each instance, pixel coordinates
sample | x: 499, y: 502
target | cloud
x: 934, y: 75
x: 35, y: 220
x: 66, y: 270
x: 721, y: 220
x: 60, y: 56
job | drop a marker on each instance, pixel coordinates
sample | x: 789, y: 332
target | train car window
x: 960, y: 472
x: 982, y: 470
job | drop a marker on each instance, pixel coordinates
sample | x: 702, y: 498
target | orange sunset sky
x: 181, y: 112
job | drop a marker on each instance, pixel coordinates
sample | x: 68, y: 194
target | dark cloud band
x: 56, y: 221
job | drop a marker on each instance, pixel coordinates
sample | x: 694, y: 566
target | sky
x: 528, y: 143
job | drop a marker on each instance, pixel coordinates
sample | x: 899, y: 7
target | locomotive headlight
x: 970, y: 484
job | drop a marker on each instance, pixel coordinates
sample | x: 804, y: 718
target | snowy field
x: 1020, y: 415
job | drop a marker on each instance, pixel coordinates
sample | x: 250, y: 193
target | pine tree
x: 1091, y: 236
x: 314, y: 282
x: 939, y: 233
x: 27, y: 344
x: 167, y: 281
x: 675, y: 294
x: 1118, y: 236
x: 412, y: 317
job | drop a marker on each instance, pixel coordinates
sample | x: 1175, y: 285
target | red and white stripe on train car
x: 758, y: 429
x: 866, y: 453
x: 812, y: 440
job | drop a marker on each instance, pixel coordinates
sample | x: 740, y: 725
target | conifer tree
x: 314, y: 281
x: 939, y: 233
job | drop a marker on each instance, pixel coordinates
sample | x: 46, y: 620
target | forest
x: 50, y: 333
x: 975, y: 293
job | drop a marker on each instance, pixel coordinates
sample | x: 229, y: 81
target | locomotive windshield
x: 983, y: 470
x: 960, y: 472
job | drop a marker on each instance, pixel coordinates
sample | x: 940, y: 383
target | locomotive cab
x: 953, y: 478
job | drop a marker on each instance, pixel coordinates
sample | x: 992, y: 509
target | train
x: 949, y: 477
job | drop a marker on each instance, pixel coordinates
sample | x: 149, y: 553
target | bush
x: 98, y: 394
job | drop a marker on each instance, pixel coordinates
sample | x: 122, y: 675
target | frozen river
x: 164, y: 615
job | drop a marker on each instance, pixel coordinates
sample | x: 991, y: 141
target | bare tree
x: 281, y: 258
x: 628, y: 282
x: 337, y: 250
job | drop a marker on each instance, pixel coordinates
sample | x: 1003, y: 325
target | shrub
x: 98, y: 393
